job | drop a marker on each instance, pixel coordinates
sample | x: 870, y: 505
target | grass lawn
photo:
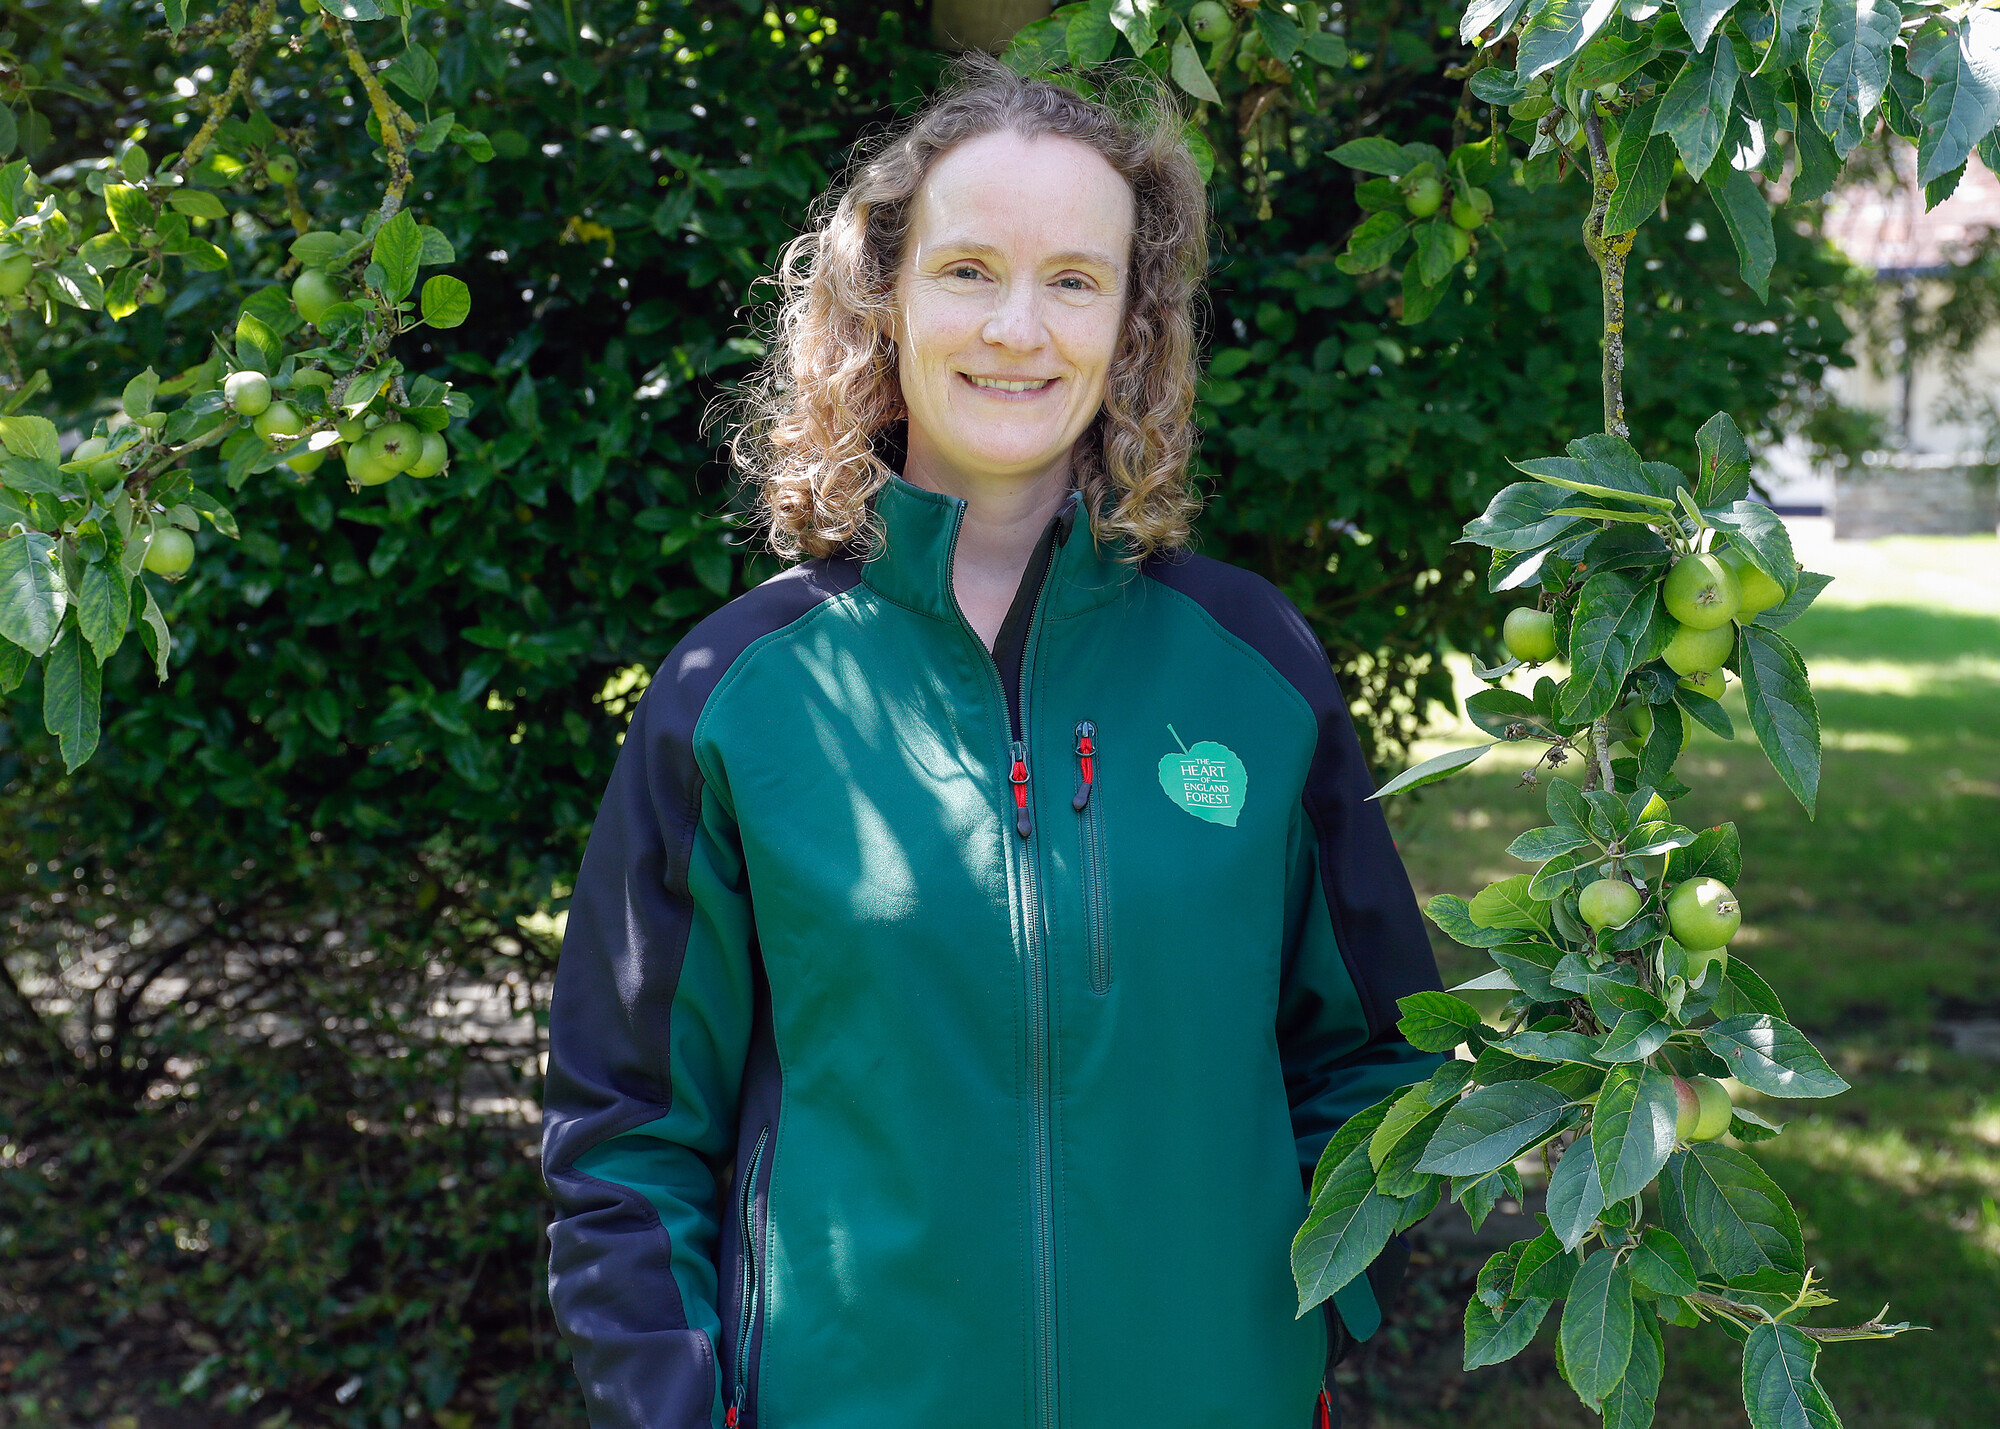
x: 1879, y: 925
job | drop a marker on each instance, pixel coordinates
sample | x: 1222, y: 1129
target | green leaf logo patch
x: 1209, y: 781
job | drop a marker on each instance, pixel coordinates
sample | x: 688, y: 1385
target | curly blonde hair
x: 815, y: 418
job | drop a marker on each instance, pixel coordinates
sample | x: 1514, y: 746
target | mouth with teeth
x: 1000, y: 384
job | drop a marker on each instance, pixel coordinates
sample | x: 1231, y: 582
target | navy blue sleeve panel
x: 645, y: 1054
x: 1367, y: 892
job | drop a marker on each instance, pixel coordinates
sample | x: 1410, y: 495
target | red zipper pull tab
x: 1086, y: 756
x: 735, y: 1411
x: 1023, y: 825
x: 1325, y: 1412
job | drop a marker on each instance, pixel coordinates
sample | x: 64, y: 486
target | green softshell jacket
x: 945, y: 1037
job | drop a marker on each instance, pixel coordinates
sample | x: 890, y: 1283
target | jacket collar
x: 920, y: 532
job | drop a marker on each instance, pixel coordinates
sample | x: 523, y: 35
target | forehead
x: 1041, y: 195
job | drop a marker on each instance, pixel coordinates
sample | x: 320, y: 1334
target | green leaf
x: 437, y: 248
x: 1441, y: 766
x: 1493, y: 1337
x: 1644, y: 163
x: 1373, y: 242
x: 1436, y: 1021
x: 1632, y: 1129
x: 1561, y: 1045
x: 1779, y: 1387
x: 1637, y: 1036
x: 33, y: 438
x: 14, y: 663
x: 70, y: 686
x: 1747, y: 216
x: 1617, y: 619
x: 1544, y: 1268
x: 1350, y: 1223
x: 1543, y: 844
x: 1434, y: 255
x: 177, y: 14
x: 1453, y: 915
x: 153, y: 634
x: 1759, y: 532
x: 1724, y: 462
x: 32, y: 594
x: 446, y: 301
x: 140, y: 392
x: 1091, y: 36
x: 1701, y: 18
x: 1603, y: 466
x: 414, y: 72
x: 1529, y: 965
x: 1695, y: 111
x: 130, y: 211
x: 256, y: 345
x: 1519, y: 517
x: 1597, y: 1327
x: 1576, y: 1194
x: 1789, y: 40
x: 1323, y: 47
x: 197, y: 203
x: 324, y: 250
x: 1730, y: 1215
x: 1280, y: 31
x: 1847, y: 64
x: 1706, y: 712
x: 1352, y: 1133
x: 1660, y: 1263
x: 397, y: 251
x: 1629, y: 1405
x: 1773, y: 1057
x: 1811, y: 583
x: 1508, y: 904
x: 1495, y: 711
x: 1557, y: 30
x: 1409, y: 1109
x: 1961, y: 95
x: 104, y: 601
x: 1493, y: 1126
x: 1373, y: 155
x: 1398, y: 1176
x: 1781, y: 707
x: 1745, y: 991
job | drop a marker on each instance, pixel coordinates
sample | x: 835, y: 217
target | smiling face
x: 1009, y: 302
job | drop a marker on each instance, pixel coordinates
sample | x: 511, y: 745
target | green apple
x: 1760, y: 592
x: 1640, y: 717
x: 365, y: 470
x: 170, y: 552
x: 1609, y: 903
x: 395, y: 444
x: 1715, y: 1109
x: 353, y: 429
x: 1702, y: 592
x: 280, y: 422
x: 1530, y: 635
x: 1708, y: 682
x: 1210, y: 22
x: 1423, y: 196
x: 1471, y: 208
x: 313, y: 294
x: 307, y: 462
x: 1704, y: 914
x: 248, y: 392
x: 15, y: 271
x: 433, y: 456
x: 1692, y: 650
x: 281, y: 168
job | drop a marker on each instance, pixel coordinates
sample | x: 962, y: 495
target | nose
x: 1016, y: 319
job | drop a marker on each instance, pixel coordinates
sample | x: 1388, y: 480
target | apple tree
x: 308, y: 371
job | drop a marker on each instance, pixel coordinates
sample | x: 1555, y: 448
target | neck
x: 1004, y: 517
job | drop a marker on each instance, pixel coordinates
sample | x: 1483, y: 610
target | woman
x: 984, y: 928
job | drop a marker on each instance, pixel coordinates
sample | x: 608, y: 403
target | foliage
x: 1626, y: 1004
x: 390, y: 713
x: 80, y: 532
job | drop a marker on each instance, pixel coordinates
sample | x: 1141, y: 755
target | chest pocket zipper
x: 752, y: 1278
x: 1089, y: 805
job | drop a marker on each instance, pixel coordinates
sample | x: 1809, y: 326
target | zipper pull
x: 1023, y: 825
x: 1086, y: 756
x: 734, y: 1413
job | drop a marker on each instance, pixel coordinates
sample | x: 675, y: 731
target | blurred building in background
x: 1927, y: 363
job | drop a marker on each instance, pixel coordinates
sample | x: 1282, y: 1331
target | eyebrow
x: 1089, y: 257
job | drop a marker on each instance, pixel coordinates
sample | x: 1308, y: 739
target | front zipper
x: 1090, y: 837
x: 1038, y: 981
x: 752, y: 1282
